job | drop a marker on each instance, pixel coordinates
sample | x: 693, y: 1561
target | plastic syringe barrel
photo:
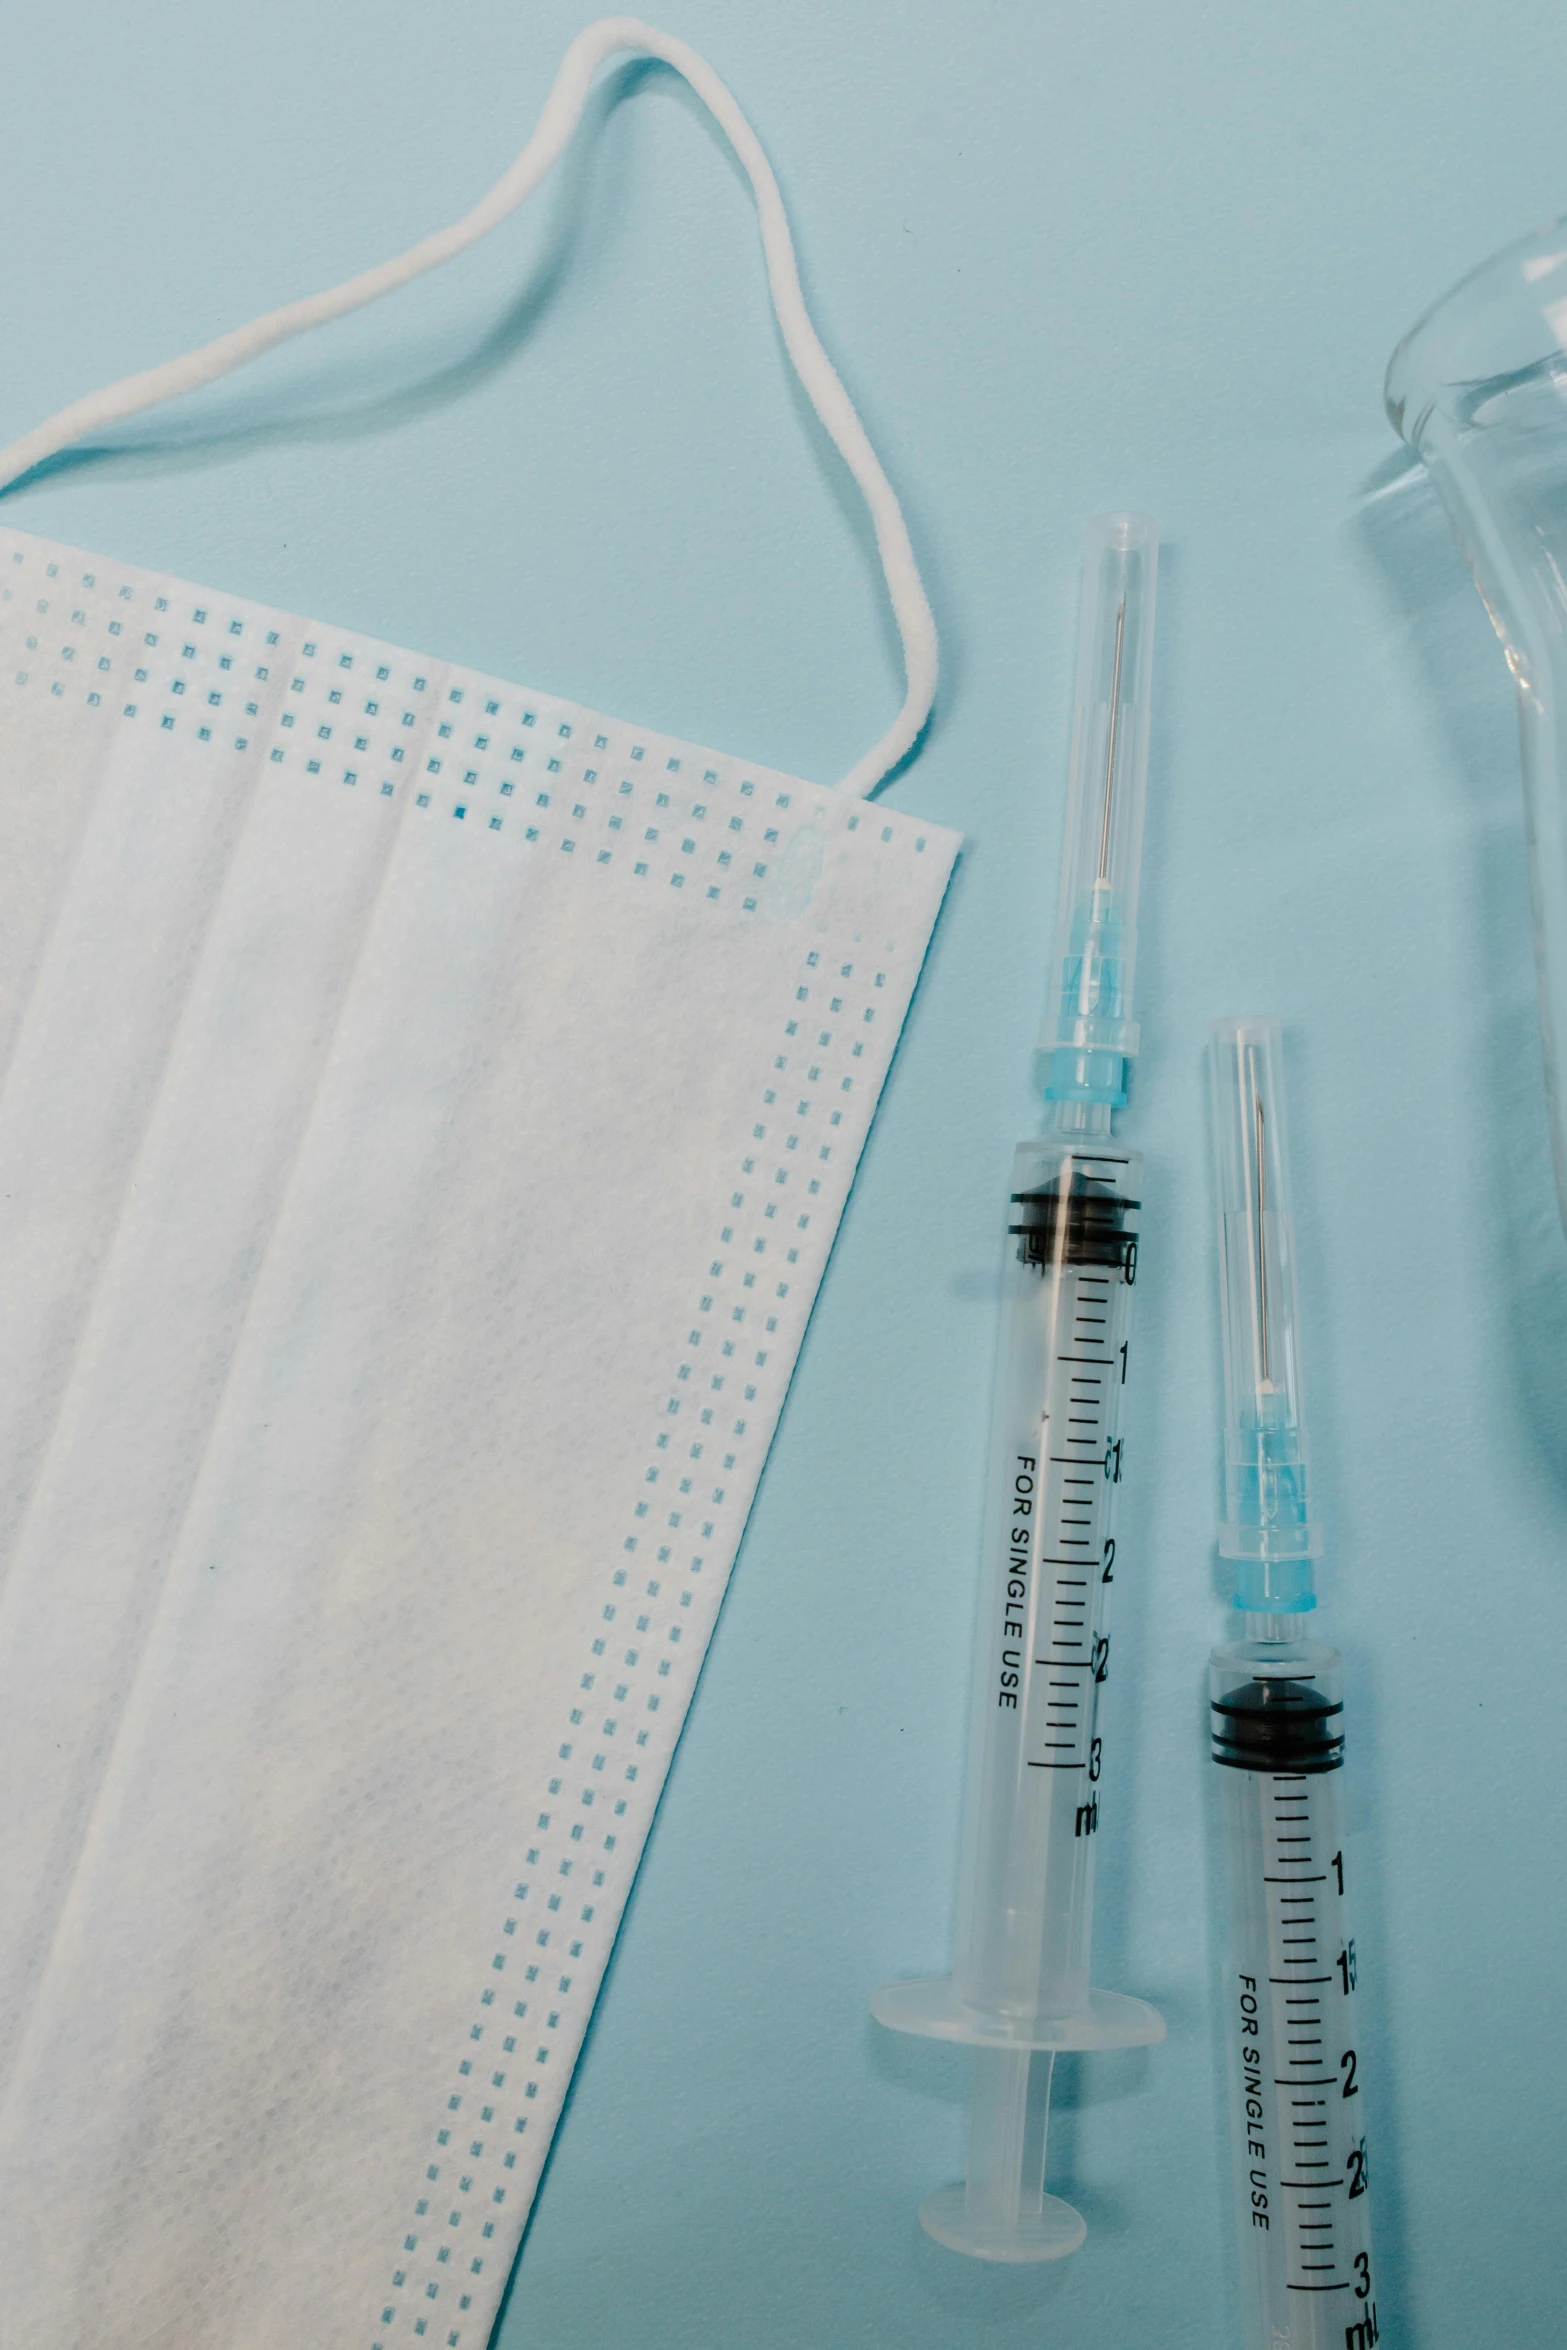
x: 1042, y: 1647
x: 1020, y: 1990
x: 1293, y: 2001
x: 1267, y: 1527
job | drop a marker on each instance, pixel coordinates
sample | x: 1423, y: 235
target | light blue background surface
x: 1067, y: 258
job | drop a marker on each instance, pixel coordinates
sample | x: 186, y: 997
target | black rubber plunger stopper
x: 1277, y: 1725
x: 1084, y: 1224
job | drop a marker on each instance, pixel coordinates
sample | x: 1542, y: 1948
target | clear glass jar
x: 1478, y: 388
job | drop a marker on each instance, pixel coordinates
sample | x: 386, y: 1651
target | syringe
x: 1291, y: 2004
x: 1019, y: 1989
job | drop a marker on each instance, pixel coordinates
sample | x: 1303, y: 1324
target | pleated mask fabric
x: 426, y: 1107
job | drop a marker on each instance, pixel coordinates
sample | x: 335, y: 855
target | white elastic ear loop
x: 562, y: 112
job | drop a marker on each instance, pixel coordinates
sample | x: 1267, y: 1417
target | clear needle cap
x: 1091, y: 1035
x: 1267, y: 1527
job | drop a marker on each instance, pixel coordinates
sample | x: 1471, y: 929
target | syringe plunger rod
x: 1088, y: 1032
x: 1267, y: 1527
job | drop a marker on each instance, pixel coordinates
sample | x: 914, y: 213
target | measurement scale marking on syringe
x: 1067, y: 1653
x: 1308, y: 2180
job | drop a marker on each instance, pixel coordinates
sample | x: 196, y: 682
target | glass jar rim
x: 1501, y: 318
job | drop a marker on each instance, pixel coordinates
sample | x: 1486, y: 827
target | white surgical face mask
x: 426, y: 1107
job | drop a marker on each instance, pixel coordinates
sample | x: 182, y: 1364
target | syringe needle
x: 1259, y: 1147
x: 1115, y: 713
